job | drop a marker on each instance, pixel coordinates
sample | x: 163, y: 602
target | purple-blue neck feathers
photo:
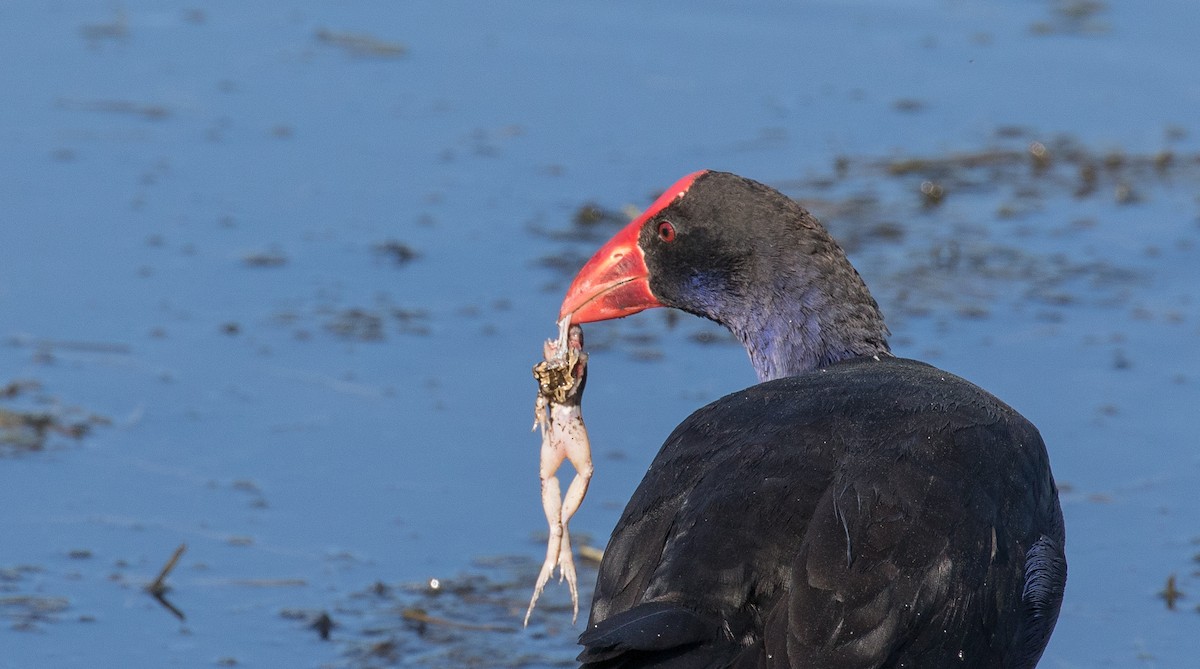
x: 762, y: 266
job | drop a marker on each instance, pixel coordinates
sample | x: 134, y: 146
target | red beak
x: 616, y: 281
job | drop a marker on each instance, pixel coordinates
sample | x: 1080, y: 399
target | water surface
x: 288, y: 267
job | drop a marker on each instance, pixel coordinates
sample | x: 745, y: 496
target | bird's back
x: 873, y: 513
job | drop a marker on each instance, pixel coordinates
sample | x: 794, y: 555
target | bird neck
x: 811, y: 318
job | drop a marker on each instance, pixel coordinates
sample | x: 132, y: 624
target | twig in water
x: 158, y: 587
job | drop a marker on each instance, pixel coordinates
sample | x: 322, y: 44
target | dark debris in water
x: 373, y: 325
x: 590, y: 222
x: 591, y: 215
x: 267, y: 258
x: 1179, y: 584
x: 148, y: 111
x: 23, y: 610
x: 19, y: 387
x: 323, y: 625
x: 115, y: 29
x: 1040, y: 169
x: 967, y: 278
x: 361, y: 45
x: 1073, y: 17
x: 396, y: 251
x: 27, y: 612
x: 358, y: 324
x: 39, y: 419
x: 470, y: 620
x: 1171, y: 594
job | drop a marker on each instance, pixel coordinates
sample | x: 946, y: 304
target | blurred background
x: 273, y: 275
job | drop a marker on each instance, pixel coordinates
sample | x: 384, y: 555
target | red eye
x: 666, y: 231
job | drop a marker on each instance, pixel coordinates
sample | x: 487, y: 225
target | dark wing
x: 657, y: 634
x: 717, y: 504
x: 908, y: 561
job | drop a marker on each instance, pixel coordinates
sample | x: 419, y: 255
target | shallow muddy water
x: 272, y: 279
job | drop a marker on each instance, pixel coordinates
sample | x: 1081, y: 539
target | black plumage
x: 872, y: 513
x: 853, y: 510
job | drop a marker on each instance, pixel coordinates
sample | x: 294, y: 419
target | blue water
x: 149, y: 151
